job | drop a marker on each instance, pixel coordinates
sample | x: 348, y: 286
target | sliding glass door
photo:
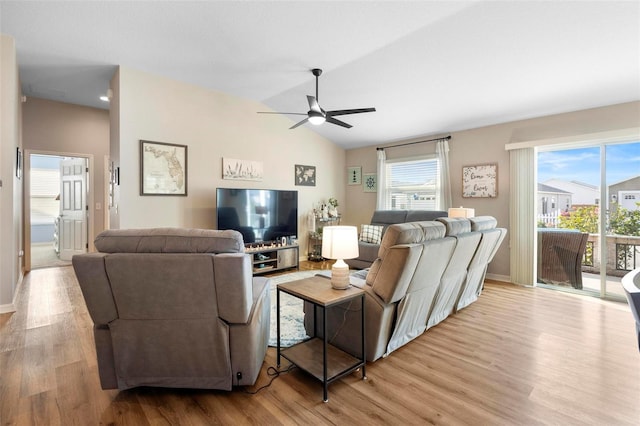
x: 622, y: 165
x: 588, y: 217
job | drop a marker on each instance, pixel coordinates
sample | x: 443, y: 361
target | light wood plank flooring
x: 518, y: 356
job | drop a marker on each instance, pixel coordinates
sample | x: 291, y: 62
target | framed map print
x: 480, y: 181
x: 163, y: 168
x: 305, y: 175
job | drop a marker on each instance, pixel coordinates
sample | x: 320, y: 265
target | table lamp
x: 461, y: 212
x: 340, y: 242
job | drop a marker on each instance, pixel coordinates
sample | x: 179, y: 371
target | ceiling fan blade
x: 349, y: 111
x: 313, y: 104
x: 287, y: 113
x: 338, y: 122
x: 299, y: 123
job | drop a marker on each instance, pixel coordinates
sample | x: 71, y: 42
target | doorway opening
x: 57, y: 199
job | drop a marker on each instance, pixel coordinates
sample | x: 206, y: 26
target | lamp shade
x: 340, y: 242
x: 461, y: 212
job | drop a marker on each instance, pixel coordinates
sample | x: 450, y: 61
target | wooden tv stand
x: 272, y: 257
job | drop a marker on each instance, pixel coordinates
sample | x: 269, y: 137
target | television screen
x: 260, y: 215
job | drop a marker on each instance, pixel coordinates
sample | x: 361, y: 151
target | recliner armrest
x: 234, y: 286
x: 95, y: 286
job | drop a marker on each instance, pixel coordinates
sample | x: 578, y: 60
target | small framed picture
x: 354, y: 175
x: 305, y: 175
x: 242, y: 169
x: 163, y: 169
x: 480, y: 181
x: 370, y: 182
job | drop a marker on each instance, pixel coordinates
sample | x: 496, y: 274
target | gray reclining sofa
x: 424, y: 272
x: 175, y: 308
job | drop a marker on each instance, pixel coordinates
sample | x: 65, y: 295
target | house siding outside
x: 583, y: 194
x: 625, y: 194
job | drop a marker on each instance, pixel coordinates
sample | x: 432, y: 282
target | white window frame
x: 412, y: 204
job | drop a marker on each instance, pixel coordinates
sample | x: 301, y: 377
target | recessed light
x: 104, y: 98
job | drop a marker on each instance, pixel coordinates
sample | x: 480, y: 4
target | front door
x: 72, y: 225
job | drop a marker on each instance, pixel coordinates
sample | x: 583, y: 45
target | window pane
x: 412, y: 185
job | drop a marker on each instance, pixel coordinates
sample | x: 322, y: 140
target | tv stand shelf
x: 272, y: 257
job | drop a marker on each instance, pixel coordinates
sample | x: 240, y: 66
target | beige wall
x: 56, y: 127
x: 213, y: 125
x: 11, y: 241
x: 487, y: 145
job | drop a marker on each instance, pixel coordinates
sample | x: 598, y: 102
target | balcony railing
x: 623, y: 254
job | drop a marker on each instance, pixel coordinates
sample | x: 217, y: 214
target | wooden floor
x: 518, y: 356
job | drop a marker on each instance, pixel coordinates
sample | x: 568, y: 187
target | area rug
x: 291, y: 314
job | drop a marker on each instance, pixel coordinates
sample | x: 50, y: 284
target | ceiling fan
x: 316, y: 115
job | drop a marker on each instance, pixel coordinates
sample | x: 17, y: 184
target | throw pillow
x: 371, y: 233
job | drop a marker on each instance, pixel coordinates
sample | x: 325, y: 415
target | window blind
x: 412, y: 184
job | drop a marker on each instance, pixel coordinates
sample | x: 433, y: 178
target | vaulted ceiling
x: 429, y: 67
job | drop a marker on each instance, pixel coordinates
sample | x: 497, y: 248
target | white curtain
x: 522, y: 206
x: 443, y: 199
x: 381, y: 202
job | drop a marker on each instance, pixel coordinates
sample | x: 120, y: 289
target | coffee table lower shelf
x: 308, y: 357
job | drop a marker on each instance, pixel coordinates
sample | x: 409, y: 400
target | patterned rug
x: 291, y: 314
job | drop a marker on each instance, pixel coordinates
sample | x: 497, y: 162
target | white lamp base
x: 340, y: 275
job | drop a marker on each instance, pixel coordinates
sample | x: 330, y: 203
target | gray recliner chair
x: 489, y: 244
x: 175, y: 308
x: 454, y: 277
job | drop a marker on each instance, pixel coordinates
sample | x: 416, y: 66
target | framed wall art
x: 480, y: 181
x: 163, y: 168
x: 370, y: 182
x: 305, y: 175
x: 354, y: 175
x: 242, y: 169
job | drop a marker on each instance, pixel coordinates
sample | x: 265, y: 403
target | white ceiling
x: 429, y: 67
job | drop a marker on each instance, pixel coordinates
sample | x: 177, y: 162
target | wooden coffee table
x: 317, y: 356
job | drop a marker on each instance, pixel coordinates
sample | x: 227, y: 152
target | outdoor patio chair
x: 560, y: 253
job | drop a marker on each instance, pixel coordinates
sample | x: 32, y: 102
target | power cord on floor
x: 274, y: 373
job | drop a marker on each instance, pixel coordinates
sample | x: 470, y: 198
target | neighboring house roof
x: 546, y: 188
x: 586, y: 185
x: 625, y: 180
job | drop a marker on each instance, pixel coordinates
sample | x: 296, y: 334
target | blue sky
x: 583, y: 164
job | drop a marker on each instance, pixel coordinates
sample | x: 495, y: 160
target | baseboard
x: 5, y: 309
x: 11, y: 307
x: 496, y: 277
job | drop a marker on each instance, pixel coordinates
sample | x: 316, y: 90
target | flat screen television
x: 260, y: 215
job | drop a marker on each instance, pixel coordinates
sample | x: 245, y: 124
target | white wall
x: 213, y: 125
x: 487, y: 145
x: 11, y: 242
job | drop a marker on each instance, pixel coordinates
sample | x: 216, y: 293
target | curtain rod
x: 446, y: 138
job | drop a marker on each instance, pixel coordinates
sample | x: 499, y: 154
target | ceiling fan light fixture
x: 316, y: 118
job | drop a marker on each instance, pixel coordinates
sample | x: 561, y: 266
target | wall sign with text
x: 480, y: 181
